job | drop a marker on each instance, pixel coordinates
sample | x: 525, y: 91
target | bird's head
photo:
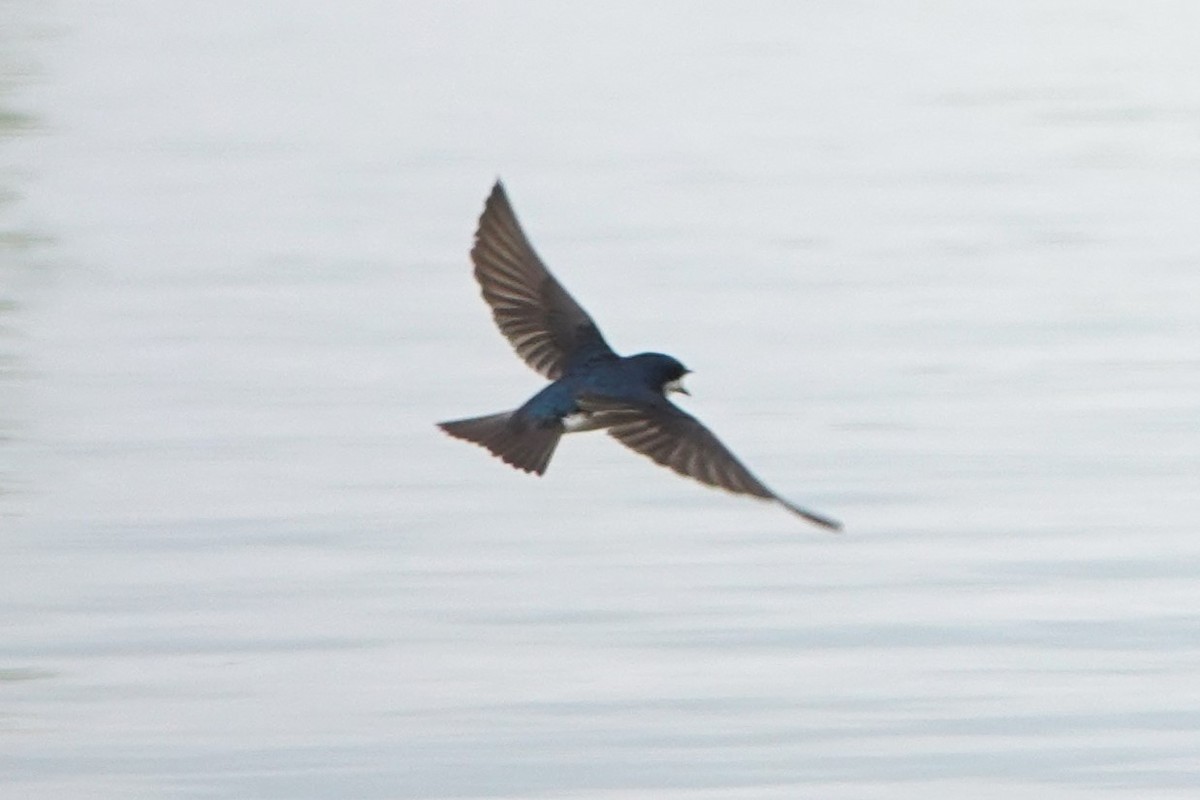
x: 662, y: 372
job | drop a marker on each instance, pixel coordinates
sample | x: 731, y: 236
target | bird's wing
x: 541, y: 320
x: 676, y: 439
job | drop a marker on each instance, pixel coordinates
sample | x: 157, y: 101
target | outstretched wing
x: 676, y: 439
x: 541, y: 320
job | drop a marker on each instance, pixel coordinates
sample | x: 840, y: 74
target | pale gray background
x: 935, y: 266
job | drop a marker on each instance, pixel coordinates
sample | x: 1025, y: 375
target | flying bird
x: 592, y: 387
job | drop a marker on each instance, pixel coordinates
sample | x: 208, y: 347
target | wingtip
x: 496, y: 205
x: 828, y: 523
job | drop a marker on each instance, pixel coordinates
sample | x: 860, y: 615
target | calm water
x: 936, y: 268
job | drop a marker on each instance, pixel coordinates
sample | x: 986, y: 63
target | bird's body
x: 530, y: 433
x: 637, y: 380
x: 592, y: 387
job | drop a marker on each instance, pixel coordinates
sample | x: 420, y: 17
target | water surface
x: 934, y: 267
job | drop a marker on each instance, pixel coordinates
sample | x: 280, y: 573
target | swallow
x: 592, y: 387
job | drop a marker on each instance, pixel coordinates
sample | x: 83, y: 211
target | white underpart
x: 579, y: 421
x: 674, y: 386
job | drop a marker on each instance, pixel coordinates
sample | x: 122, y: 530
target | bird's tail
x: 510, y: 437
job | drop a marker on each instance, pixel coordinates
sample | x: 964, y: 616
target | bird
x: 592, y: 387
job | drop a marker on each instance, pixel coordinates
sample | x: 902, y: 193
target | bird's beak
x: 677, y: 386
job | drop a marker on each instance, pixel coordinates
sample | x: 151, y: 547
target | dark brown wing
x: 541, y: 320
x: 675, y: 439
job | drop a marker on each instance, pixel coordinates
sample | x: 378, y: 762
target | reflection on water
x: 935, y: 273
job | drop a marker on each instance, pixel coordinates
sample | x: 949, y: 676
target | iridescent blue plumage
x: 638, y: 380
x: 592, y: 387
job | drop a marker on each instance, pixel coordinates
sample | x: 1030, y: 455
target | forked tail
x: 510, y: 438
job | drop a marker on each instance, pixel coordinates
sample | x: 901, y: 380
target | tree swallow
x: 593, y: 388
